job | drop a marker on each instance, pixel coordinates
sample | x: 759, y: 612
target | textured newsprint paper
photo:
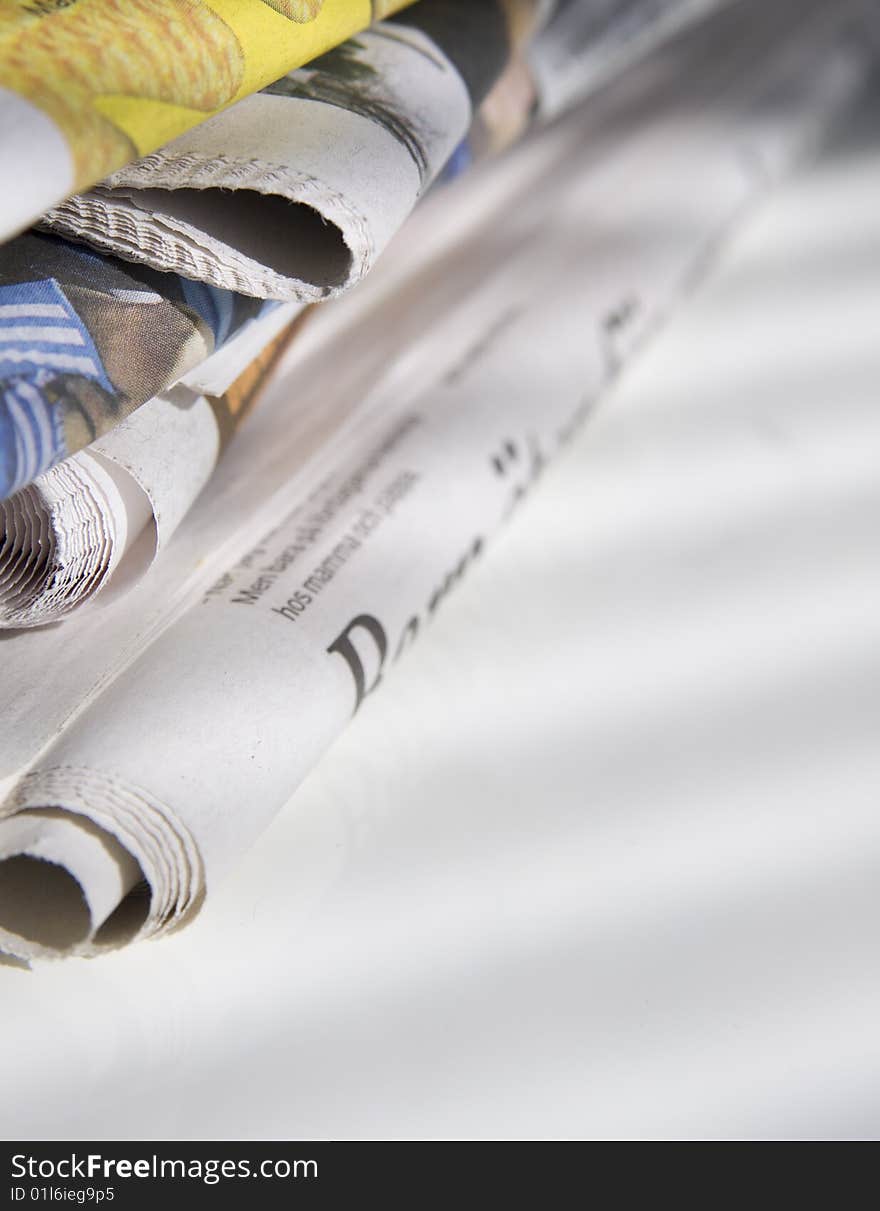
x: 87, y: 85
x: 172, y: 735
x: 100, y: 517
x: 293, y: 193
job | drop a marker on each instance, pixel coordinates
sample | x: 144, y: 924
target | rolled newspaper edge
x: 91, y: 866
x: 95, y: 522
x: 60, y: 58
x: 293, y: 193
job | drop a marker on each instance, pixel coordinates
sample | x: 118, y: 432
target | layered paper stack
x: 216, y: 631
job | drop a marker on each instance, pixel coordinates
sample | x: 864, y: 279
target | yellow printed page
x: 121, y: 77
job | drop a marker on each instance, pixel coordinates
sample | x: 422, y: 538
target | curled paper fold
x: 291, y: 194
x: 87, y: 85
x: 294, y: 193
x: 104, y: 514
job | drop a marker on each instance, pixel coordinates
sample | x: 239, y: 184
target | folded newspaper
x: 427, y: 405
x: 56, y: 538
x: 87, y: 85
x: 103, y: 515
x: 85, y: 340
x: 293, y: 193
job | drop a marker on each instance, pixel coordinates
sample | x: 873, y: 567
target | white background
x: 602, y: 858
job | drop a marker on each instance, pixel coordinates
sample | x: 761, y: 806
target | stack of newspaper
x: 192, y: 187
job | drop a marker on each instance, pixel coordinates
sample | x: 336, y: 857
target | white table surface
x: 603, y: 859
